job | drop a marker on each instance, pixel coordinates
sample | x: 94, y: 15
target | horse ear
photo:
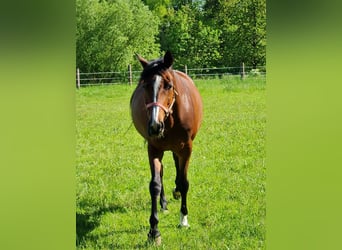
x: 168, y: 59
x: 142, y: 60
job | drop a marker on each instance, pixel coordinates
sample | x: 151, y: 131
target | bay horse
x: 166, y: 110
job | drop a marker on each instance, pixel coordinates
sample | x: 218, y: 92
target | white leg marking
x: 183, y: 220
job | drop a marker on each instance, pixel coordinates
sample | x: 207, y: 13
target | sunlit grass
x: 226, y: 200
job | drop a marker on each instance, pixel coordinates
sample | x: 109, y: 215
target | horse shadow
x: 88, y: 221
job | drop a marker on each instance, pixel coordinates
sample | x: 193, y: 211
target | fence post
x: 130, y: 74
x: 243, y: 71
x: 78, y: 78
x: 186, y: 69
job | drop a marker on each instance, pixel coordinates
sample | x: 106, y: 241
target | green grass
x: 227, y: 173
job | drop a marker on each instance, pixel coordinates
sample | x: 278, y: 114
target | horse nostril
x: 152, y: 128
x: 161, y: 126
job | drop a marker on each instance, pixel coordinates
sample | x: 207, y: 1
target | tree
x: 159, y: 7
x: 191, y: 41
x: 109, y: 32
x: 200, y: 33
x: 243, y: 26
x: 248, y: 40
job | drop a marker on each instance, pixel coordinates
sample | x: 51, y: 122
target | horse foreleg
x: 155, y: 190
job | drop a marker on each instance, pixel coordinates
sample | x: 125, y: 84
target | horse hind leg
x: 176, y: 191
x: 176, y: 194
x: 182, y: 186
x: 184, y: 210
x: 163, y: 201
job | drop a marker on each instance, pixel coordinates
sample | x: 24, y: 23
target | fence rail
x: 130, y: 76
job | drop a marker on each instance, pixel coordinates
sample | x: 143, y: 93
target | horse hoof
x: 155, y: 241
x: 183, y: 221
x: 154, y: 237
x: 183, y: 226
x: 164, y: 211
x: 176, y: 194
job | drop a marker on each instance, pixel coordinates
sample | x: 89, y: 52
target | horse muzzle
x: 156, y: 129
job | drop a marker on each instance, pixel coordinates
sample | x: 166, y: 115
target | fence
x: 130, y: 76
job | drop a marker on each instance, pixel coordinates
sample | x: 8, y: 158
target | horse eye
x: 167, y: 86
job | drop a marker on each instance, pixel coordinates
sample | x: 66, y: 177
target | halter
x: 168, y: 110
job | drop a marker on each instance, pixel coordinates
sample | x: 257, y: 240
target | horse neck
x: 179, y: 83
x: 181, y: 80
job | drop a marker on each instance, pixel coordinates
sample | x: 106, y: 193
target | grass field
x: 227, y: 173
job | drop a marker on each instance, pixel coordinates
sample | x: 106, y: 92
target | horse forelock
x: 156, y: 67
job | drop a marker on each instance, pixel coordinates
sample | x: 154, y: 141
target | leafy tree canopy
x: 109, y: 32
x: 200, y: 33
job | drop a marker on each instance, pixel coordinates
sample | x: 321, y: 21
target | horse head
x: 158, y: 83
